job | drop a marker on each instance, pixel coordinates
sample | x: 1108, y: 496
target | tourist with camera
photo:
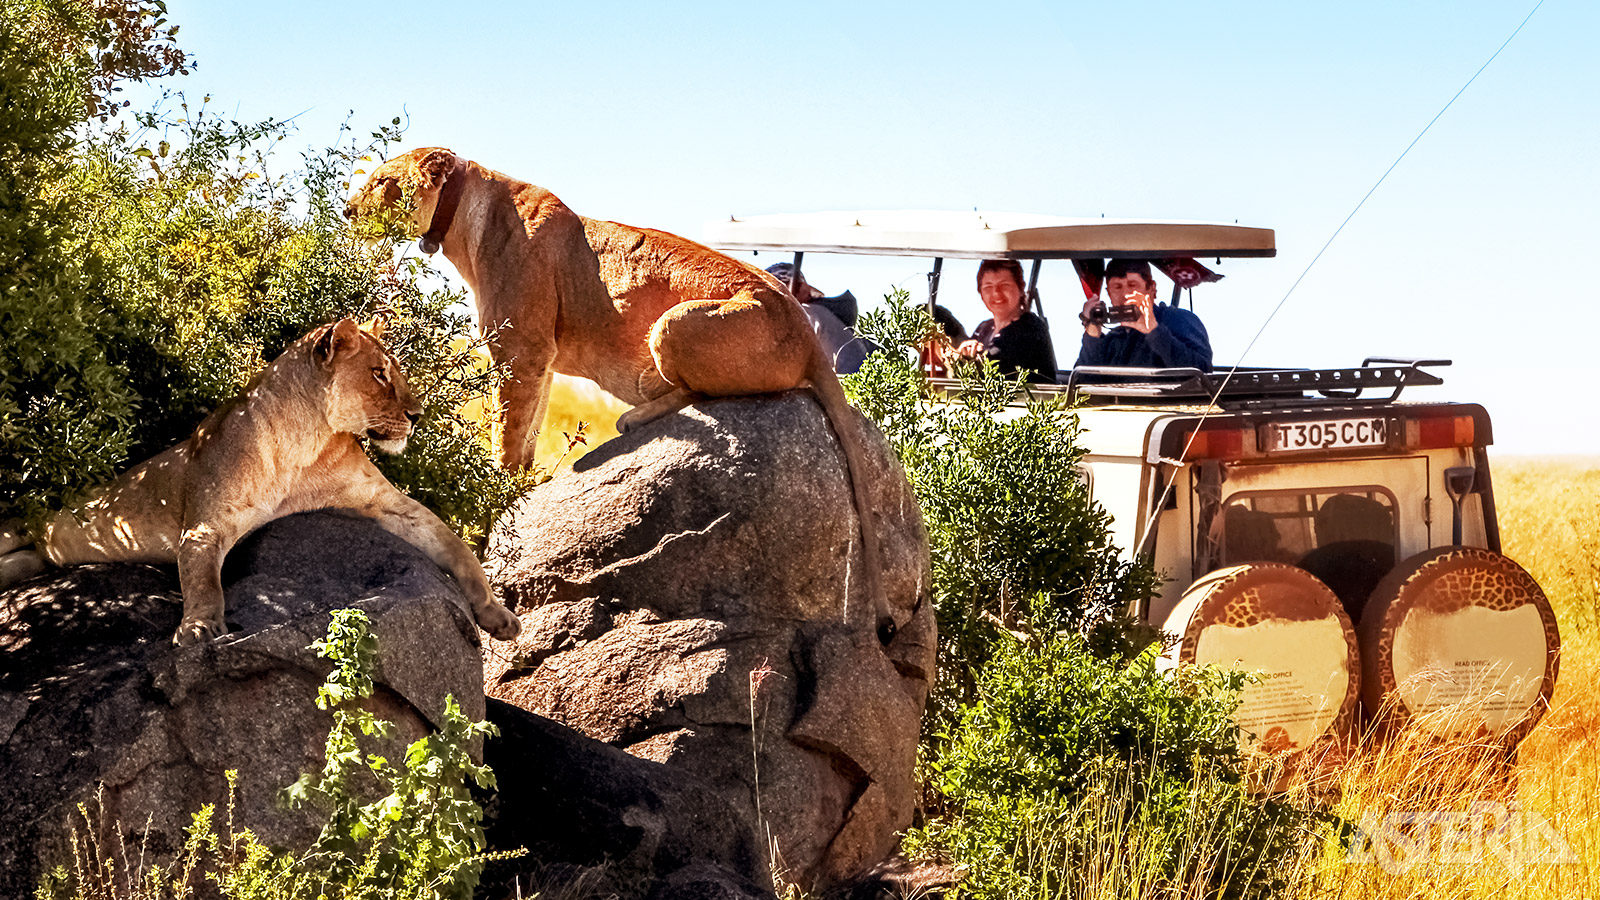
x: 1142, y: 332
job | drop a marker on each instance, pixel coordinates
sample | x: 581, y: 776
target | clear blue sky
x: 1480, y: 247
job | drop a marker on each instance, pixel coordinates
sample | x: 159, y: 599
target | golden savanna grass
x: 574, y: 403
x: 1550, y: 523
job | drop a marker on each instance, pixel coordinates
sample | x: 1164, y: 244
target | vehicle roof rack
x: 1113, y: 385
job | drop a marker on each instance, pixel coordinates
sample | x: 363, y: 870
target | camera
x: 1115, y: 315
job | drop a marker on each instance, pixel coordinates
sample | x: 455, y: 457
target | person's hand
x: 1090, y: 327
x: 1147, y: 312
x: 969, y: 349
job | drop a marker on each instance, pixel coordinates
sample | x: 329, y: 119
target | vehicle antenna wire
x: 1166, y: 491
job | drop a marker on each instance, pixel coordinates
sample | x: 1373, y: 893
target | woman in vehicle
x: 1015, y: 338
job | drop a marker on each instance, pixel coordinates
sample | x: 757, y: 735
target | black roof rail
x: 1119, y: 384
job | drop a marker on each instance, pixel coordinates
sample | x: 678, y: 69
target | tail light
x: 1221, y: 443
x: 1438, y: 432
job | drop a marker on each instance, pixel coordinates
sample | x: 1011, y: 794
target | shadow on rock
x: 592, y: 816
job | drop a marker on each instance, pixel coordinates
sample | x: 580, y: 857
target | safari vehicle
x: 1325, y: 527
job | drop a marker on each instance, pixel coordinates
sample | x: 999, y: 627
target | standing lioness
x: 655, y: 319
x: 287, y: 445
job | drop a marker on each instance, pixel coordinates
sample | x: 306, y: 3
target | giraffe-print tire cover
x: 1235, y: 595
x: 1442, y: 580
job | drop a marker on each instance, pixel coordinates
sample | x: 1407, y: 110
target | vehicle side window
x: 1344, y: 536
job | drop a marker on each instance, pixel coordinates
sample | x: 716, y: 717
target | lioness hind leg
x: 760, y: 342
x: 16, y: 563
x: 12, y: 537
x: 730, y: 348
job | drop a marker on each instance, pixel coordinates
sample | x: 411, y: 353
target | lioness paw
x: 627, y: 422
x: 196, y: 631
x: 501, y: 623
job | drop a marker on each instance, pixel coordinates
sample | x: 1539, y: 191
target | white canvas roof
x: 987, y: 235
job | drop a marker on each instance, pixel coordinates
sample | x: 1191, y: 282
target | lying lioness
x: 655, y: 319
x: 287, y: 445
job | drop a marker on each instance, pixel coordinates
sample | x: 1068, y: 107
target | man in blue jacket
x: 1163, y: 337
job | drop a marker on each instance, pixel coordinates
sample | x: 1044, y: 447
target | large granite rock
x: 692, y: 593
x: 93, y: 693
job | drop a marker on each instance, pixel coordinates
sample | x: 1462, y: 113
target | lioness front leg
x: 201, y: 549
x: 417, y: 525
x: 523, y: 397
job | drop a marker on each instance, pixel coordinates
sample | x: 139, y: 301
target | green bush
x: 1017, y: 543
x: 148, y: 270
x: 66, y: 411
x: 424, y: 838
x: 420, y: 840
x: 1061, y: 762
x: 1074, y: 775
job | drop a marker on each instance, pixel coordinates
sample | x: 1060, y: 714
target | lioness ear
x: 335, y: 339
x: 377, y: 325
x: 434, y: 166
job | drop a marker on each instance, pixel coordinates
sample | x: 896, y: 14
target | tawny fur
x: 655, y: 319
x: 287, y: 445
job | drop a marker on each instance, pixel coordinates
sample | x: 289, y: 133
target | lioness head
x: 367, y: 392
x: 418, y: 175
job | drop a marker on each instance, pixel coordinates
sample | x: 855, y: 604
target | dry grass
x: 573, y: 401
x: 1550, y: 521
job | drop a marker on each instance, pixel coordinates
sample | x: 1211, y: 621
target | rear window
x: 1344, y: 536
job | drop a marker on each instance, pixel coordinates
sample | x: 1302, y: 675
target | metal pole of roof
x: 794, y: 275
x: 933, y: 282
x: 1033, y: 289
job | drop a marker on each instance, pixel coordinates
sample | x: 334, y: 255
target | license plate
x: 1328, y: 434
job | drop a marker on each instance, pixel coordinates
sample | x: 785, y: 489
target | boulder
x: 94, y: 697
x: 692, y: 593
x: 591, y: 815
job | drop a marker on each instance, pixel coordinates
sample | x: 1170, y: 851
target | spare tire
x: 1460, y: 641
x: 1279, y: 621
